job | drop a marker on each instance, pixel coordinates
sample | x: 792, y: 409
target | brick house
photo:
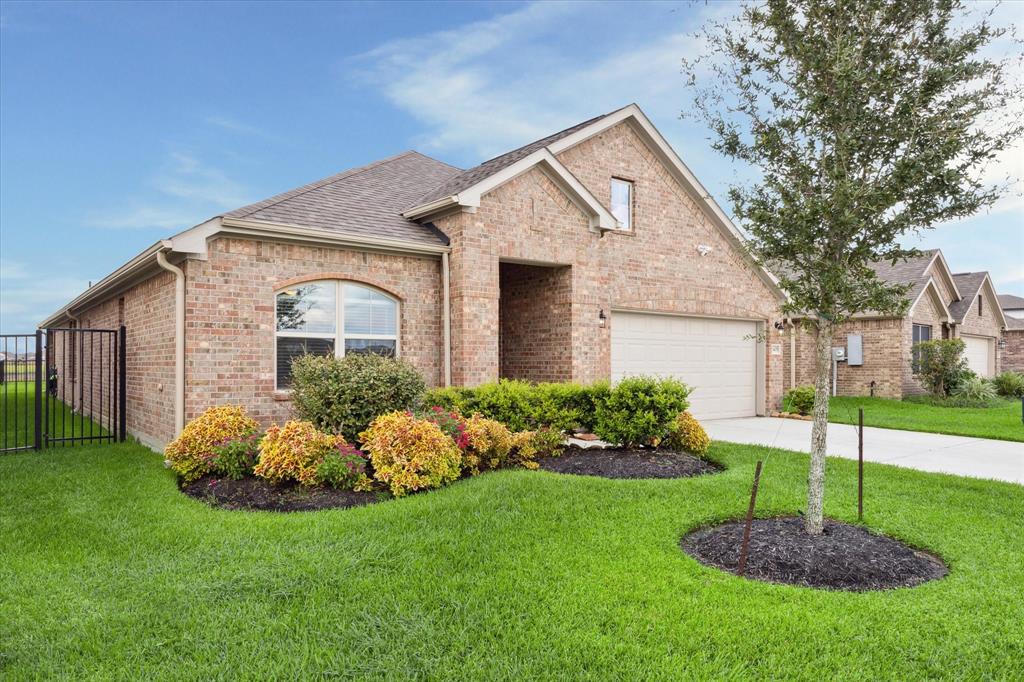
x: 1012, y: 346
x: 593, y: 253
x: 942, y: 305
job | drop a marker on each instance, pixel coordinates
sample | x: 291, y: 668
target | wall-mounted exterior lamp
x: 602, y: 319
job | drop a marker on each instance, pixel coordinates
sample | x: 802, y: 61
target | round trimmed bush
x: 800, y: 398
x: 193, y: 453
x: 343, y: 395
x: 410, y: 454
x: 637, y: 410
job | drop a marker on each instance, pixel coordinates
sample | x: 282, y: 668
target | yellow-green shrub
x: 488, y: 444
x: 192, y: 453
x: 686, y: 433
x: 410, y: 454
x: 294, y: 451
x: 527, y: 446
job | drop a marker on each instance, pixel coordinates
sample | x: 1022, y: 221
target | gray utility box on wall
x: 854, y: 350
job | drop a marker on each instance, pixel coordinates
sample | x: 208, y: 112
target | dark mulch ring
x: 624, y: 463
x: 256, y: 493
x: 844, y: 557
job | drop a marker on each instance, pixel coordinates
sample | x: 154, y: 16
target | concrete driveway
x: 960, y: 455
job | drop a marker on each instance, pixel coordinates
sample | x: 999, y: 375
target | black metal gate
x: 61, y: 387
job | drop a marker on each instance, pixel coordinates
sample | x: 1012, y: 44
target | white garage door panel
x: 717, y: 358
x: 979, y: 352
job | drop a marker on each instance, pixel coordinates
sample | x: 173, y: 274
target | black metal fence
x: 61, y: 387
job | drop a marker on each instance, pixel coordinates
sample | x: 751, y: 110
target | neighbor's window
x: 922, y: 333
x: 622, y: 203
x: 333, y: 318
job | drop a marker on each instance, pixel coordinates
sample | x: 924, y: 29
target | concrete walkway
x: 960, y: 455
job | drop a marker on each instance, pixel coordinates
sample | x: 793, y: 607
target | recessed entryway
x: 716, y: 357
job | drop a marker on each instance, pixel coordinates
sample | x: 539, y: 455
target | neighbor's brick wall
x: 1012, y: 356
x: 148, y: 316
x: 884, y: 350
x: 231, y: 324
x: 655, y: 267
x: 536, y: 309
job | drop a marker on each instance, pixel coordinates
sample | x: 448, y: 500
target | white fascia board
x: 947, y: 273
x: 600, y: 217
x: 936, y: 295
x: 109, y: 284
x: 993, y: 298
x: 288, y: 232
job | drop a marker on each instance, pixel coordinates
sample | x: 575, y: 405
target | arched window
x: 333, y: 317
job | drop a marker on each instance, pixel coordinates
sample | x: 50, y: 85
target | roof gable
x: 931, y: 289
x: 971, y: 284
x: 467, y: 189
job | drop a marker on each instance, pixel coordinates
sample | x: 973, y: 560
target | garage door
x: 980, y: 354
x: 717, y: 358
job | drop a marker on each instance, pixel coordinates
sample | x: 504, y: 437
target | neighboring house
x: 1012, y: 351
x: 593, y: 253
x: 942, y: 305
x: 1013, y: 306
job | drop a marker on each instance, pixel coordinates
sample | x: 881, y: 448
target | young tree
x: 866, y: 120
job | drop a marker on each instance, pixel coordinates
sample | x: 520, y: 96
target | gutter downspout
x: 446, y: 319
x: 792, y: 353
x: 179, y: 337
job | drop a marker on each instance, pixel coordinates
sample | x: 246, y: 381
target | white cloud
x: 233, y: 125
x: 23, y: 301
x: 187, y: 191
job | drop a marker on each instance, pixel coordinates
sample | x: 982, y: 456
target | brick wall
x: 1012, y: 355
x: 148, y: 314
x: 655, y: 267
x: 535, y: 322
x: 884, y: 352
x: 926, y: 312
x: 230, y: 320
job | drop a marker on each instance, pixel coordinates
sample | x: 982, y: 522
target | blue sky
x: 124, y: 123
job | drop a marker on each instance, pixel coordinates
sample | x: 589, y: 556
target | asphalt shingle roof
x: 366, y: 201
x: 1011, y: 302
x: 470, y: 177
x: 968, y: 283
x: 911, y: 271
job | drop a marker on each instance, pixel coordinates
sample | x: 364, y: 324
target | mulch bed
x: 844, y: 557
x: 256, y: 493
x: 623, y: 463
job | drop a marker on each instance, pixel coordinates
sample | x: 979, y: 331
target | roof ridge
x: 299, y: 191
x: 431, y: 158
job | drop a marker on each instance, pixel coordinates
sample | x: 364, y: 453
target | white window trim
x: 338, y: 335
x: 632, y: 198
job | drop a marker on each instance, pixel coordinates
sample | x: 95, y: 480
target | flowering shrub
x: 686, y: 433
x: 192, y: 453
x: 489, y: 443
x: 528, y: 446
x: 343, y: 468
x: 235, y: 457
x: 410, y: 454
x: 294, y: 452
x: 449, y: 421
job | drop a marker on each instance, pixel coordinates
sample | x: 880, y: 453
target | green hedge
x: 637, y: 411
x: 521, y: 405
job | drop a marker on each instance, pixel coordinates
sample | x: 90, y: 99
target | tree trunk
x: 814, y: 521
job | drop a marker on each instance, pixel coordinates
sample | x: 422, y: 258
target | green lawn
x: 107, y: 571
x: 1001, y: 423
x: 17, y: 417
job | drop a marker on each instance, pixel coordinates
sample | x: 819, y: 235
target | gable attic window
x: 622, y: 203
x: 979, y: 305
x: 332, y: 317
